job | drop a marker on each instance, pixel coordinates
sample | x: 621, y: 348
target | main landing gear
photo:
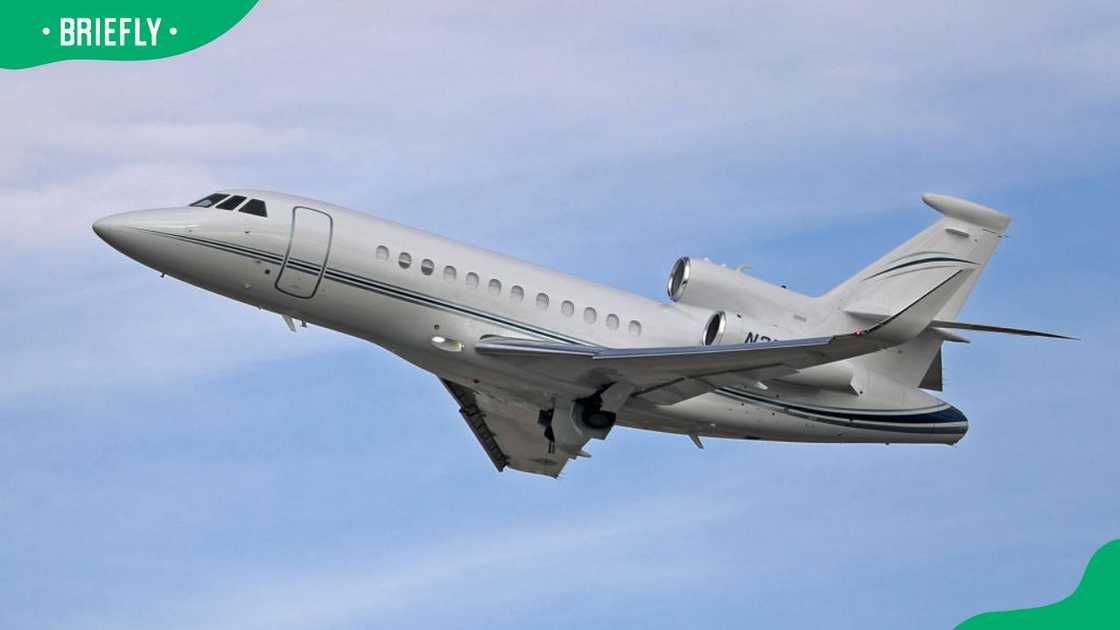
x: 570, y: 424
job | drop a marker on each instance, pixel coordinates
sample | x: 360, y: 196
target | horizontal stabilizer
x: 996, y: 329
x: 871, y: 313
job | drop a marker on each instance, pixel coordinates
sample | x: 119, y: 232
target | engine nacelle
x: 703, y: 283
x: 751, y: 311
x: 725, y: 328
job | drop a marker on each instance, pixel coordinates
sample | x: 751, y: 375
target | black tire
x: 599, y: 419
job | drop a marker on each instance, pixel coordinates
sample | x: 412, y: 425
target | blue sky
x: 173, y: 459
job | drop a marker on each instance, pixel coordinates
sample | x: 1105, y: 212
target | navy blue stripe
x: 899, y: 428
x: 394, y: 290
x: 375, y: 286
x: 422, y: 300
x: 918, y: 262
x: 260, y: 253
x: 947, y: 415
x: 227, y: 247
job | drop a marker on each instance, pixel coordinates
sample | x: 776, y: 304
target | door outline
x: 288, y: 253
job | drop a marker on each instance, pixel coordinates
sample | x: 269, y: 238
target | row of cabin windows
x: 516, y: 292
x: 223, y: 201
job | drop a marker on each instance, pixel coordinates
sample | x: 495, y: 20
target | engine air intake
x: 713, y: 331
x: 678, y: 278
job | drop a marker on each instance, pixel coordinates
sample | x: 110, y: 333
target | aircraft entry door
x: 308, y: 248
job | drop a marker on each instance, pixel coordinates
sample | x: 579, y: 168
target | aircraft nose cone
x: 109, y: 228
x: 136, y: 233
x: 124, y: 231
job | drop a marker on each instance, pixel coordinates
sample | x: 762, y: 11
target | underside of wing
x: 508, y: 431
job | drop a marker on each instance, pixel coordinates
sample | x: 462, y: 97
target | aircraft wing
x: 672, y: 374
x: 508, y: 432
x: 667, y: 375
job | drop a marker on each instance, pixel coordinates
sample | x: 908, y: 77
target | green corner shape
x: 46, y: 31
x: 1095, y: 603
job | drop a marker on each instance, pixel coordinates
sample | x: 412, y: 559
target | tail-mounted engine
x: 726, y: 328
x: 746, y: 309
x: 703, y: 283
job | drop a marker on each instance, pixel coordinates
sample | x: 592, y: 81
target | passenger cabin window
x: 635, y: 328
x: 382, y: 252
x: 495, y: 286
x: 542, y: 301
x: 567, y: 308
x: 232, y: 202
x: 589, y: 315
x: 612, y: 321
x: 427, y: 266
x: 516, y: 293
x: 209, y: 200
x: 404, y: 260
x: 449, y: 273
x: 255, y: 207
x: 472, y: 280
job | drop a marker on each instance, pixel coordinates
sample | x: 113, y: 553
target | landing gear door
x: 308, y: 249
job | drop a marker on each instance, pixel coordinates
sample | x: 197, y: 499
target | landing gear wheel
x: 599, y: 419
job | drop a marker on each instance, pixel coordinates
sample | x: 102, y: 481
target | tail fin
x: 963, y: 239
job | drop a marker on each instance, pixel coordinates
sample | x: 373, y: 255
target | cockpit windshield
x: 209, y: 200
x: 226, y: 201
x: 254, y: 206
x: 232, y: 202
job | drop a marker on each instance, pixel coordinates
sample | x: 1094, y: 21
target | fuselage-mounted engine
x: 746, y: 309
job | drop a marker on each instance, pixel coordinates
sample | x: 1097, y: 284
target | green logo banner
x: 35, y: 33
x: 1094, y: 604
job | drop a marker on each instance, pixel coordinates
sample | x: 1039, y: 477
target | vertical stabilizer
x: 963, y: 239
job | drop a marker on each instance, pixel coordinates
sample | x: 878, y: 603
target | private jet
x: 540, y: 362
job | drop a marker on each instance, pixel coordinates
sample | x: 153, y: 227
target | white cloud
x: 58, y: 214
x: 136, y: 330
x: 516, y: 126
x: 492, y: 566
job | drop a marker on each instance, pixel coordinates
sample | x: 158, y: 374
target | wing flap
x: 507, y: 431
x: 476, y: 420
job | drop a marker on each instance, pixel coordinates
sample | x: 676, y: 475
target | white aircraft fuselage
x: 431, y: 301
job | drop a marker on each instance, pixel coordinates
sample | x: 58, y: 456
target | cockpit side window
x: 232, y: 202
x: 254, y: 206
x: 209, y: 200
